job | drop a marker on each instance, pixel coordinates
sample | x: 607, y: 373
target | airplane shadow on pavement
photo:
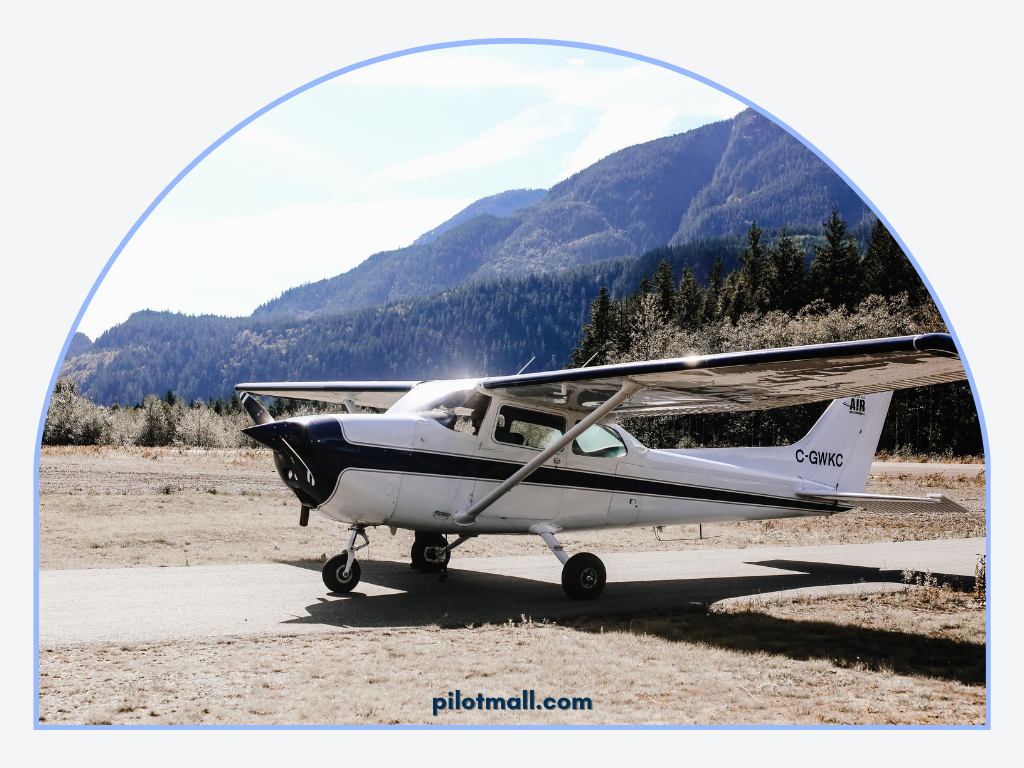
x: 472, y: 598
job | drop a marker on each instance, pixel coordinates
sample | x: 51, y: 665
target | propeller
x: 272, y: 434
x: 255, y: 409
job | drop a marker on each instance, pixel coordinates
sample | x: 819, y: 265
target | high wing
x: 369, y: 394
x: 746, y: 381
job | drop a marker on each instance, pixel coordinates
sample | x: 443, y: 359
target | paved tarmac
x: 128, y: 605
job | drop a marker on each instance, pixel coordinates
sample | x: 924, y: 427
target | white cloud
x: 622, y: 125
x: 502, y: 142
x: 575, y: 62
x: 230, y: 266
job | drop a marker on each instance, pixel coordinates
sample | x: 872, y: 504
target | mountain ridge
x: 707, y: 182
x: 501, y: 204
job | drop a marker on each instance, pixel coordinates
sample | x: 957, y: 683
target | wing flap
x: 875, y: 502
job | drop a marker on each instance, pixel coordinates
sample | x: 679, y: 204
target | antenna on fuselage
x: 591, y: 359
x: 527, y: 365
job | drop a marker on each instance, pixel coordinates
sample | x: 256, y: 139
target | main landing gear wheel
x: 334, y: 574
x: 420, y: 547
x: 583, y: 576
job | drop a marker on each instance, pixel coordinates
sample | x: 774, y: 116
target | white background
x: 105, y: 104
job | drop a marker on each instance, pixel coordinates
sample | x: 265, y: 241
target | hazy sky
x: 372, y: 159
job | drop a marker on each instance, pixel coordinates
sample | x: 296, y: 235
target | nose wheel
x: 334, y: 573
x: 341, y: 573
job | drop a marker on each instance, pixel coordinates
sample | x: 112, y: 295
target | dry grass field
x: 913, y: 656
x: 111, y: 508
x: 909, y: 657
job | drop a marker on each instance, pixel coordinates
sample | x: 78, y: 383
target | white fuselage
x: 419, y: 474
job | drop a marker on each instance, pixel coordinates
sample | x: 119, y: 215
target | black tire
x: 583, y: 576
x: 333, y: 570
x: 419, y: 560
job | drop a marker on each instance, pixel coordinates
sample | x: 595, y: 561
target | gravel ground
x: 91, y: 470
x: 905, y: 658
x: 110, y: 508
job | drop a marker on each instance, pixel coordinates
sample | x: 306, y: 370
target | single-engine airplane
x: 540, y: 453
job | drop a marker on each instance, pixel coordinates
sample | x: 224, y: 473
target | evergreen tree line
x: 772, y: 300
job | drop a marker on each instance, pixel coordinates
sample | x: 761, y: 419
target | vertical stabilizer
x: 836, y: 453
x: 840, y: 447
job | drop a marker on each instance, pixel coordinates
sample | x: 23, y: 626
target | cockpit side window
x: 530, y: 429
x: 599, y: 442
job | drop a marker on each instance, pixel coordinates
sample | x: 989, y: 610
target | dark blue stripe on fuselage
x: 330, y: 454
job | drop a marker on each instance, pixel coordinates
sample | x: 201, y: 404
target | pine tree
x: 752, y: 294
x: 689, y: 301
x: 887, y: 270
x: 665, y: 283
x: 786, y: 274
x: 733, y: 300
x: 712, y: 296
x: 170, y: 398
x: 597, y: 333
x: 836, y: 274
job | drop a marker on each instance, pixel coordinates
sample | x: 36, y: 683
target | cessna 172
x: 540, y: 453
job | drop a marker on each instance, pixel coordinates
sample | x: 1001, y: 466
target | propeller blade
x: 255, y: 409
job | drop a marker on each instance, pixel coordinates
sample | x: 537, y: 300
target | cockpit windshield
x: 452, y: 404
x: 460, y: 397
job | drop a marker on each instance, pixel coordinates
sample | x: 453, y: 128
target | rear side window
x: 599, y: 442
x: 531, y: 429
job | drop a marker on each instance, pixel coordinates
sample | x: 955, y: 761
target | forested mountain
x: 501, y: 204
x: 80, y: 344
x: 484, y: 327
x: 707, y: 182
x: 767, y: 176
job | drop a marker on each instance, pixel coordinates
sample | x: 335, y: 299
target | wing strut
x: 625, y: 392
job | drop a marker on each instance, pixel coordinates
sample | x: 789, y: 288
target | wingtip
x: 937, y: 344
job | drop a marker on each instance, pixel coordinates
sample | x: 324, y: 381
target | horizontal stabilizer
x: 877, y: 502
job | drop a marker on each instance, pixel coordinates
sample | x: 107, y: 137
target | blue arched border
x: 508, y: 41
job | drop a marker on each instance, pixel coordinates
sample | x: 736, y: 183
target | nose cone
x: 269, y: 433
